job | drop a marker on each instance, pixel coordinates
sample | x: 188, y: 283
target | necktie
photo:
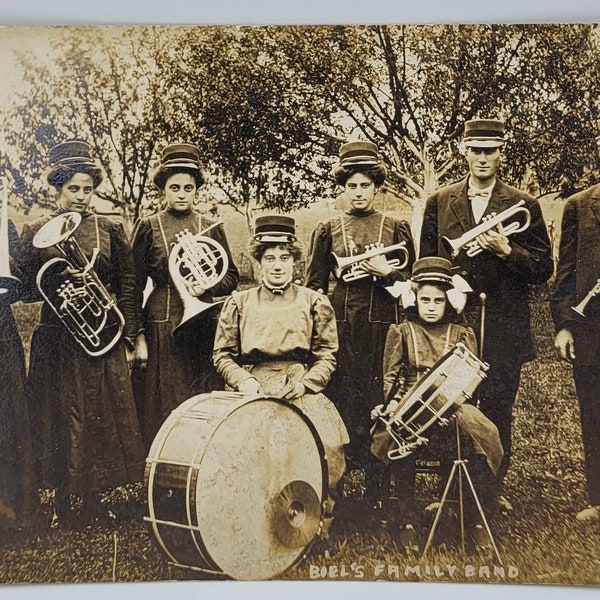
x: 479, y: 201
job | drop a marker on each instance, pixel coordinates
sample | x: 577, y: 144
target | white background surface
x: 69, y: 12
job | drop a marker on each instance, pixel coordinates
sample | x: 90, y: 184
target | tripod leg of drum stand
x: 438, y: 513
x: 458, y: 468
x: 481, y: 511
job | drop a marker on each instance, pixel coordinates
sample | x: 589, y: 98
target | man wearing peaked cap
x: 578, y: 331
x: 503, y: 270
x: 484, y: 133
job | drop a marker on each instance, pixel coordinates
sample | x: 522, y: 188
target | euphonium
x: 468, y: 239
x: 580, y: 308
x: 347, y: 268
x: 82, y: 302
x: 196, y: 259
x: 7, y: 280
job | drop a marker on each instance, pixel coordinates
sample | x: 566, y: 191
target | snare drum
x: 451, y: 381
x: 236, y: 485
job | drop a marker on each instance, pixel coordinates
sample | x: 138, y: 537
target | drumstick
x: 482, y: 299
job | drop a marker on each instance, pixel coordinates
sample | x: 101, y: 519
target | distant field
x: 306, y: 219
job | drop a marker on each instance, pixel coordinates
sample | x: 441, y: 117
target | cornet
x: 347, y: 267
x: 196, y: 259
x: 468, y: 239
x: 580, y: 308
x: 85, y: 307
x: 7, y: 280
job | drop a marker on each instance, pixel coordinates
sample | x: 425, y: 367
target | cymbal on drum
x: 296, y: 514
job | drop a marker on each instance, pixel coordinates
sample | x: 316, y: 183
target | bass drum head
x: 259, y: 490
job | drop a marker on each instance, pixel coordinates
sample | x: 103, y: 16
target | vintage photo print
x: 300, y: 303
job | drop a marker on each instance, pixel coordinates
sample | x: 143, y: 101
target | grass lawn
x: 539, y: 542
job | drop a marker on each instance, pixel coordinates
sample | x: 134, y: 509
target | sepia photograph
x: 300, y: 303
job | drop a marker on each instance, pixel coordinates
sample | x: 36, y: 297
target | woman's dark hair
x: 59, y: 174
x: 450, y: 315
x: 257, y: 249
x: 162, y: 174
x: 377, y: 173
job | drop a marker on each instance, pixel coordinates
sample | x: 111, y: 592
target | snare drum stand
x: 459, y: 468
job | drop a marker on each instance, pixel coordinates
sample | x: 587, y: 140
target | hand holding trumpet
x: 378, y: 265
x: 372, y: 262
x: 495, y: 241
x: 491, y: 232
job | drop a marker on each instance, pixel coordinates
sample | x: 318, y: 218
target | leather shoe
x: 409, y: 539
x: 480, y: 537
x: 589, y: 514
x: 503, y: 504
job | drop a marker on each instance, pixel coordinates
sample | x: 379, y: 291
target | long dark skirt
x: 179, y: 366
x: 18, y: 486
x: 87, y: 436
x: 357, y: 385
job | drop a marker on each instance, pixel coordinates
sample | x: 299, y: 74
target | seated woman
x: 286, y: 337
x: 412, y: 348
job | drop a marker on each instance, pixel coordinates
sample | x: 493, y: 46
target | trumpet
x: 580, y: 308
x: 196, y: 259
x: 7, y: 280
x: 468, y: 239
x: 84, y: 305
x: 347, y: 268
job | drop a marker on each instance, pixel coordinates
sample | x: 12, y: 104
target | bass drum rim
x: 195, y: 528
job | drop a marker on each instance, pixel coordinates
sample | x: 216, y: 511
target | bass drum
x: 236, y: 485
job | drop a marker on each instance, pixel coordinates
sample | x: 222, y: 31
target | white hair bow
x: 457, y: 294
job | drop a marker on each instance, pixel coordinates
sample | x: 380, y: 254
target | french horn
x: 196, y: 259
x: 83, y: 304
x: 7, y: 280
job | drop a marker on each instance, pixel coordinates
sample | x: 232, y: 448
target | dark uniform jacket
x: 113, y: 265
x: 328, y: 236
x: 577, y: 272
x: 505, y: 282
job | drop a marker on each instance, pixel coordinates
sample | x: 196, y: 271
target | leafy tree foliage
x: 270, y: 106
x: 254, y: 121
x: 100, y: 85
x: 410, y: 89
